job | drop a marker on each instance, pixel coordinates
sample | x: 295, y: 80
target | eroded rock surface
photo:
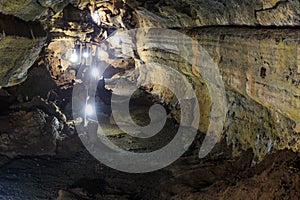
x: 188, y: 13
x: 30, y: 10
x: 29, y: 133
x: 20, y: 46
x: 260, y: 70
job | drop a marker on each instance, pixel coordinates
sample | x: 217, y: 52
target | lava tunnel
x: 149, y: 100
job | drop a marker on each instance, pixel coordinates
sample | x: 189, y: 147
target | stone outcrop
x: 22, y: 54
x: 20, y: 46
x: 272, y: 178
x: 260, y: 70
x: 189, y: 13
x: 29, y: 133
x: 30, y: 10
x: 261, y: 64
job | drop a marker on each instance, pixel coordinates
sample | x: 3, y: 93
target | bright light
x: 85, y: 54
x: 95, y: 16
x: 89, y: 110
x: 74, y: 58
x: 95, y: 72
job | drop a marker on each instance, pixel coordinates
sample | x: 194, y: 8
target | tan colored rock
x: 270, y: 3
x: 17, y: 55
x: 260, y: 70
x: 189, y: 13
x: 282, y: 13
x: 27, y: 10
x: 30, y: 10
x: 259, y: 63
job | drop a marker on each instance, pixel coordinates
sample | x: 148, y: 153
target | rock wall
x: 20, y: 45
x: 259, y: 63
x: 22, y: 54
x: 260, y: 70
x: 29, y: 133
x: 189, y: 13
x: 262, y: 65
x: 30, y: 10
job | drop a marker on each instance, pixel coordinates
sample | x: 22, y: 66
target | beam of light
x: 89, y: 110
x: 74, y: 57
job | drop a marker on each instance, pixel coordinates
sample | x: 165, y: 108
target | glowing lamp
x: 74, y: 56
x: 85, y: 54
x: 89, y: 109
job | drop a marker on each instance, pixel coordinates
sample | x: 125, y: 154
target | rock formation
x: 254, y: 44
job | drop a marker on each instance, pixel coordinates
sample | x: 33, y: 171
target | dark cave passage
x: 10, y: 25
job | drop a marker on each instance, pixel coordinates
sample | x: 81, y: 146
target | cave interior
x: 192, y: 99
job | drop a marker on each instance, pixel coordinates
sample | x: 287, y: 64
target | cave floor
x: 82, y: 177
x: 44, y: 177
